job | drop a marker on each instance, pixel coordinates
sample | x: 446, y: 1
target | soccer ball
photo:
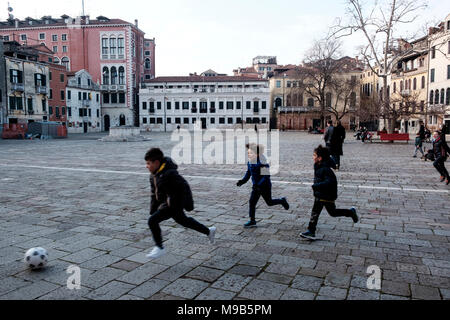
x: 36, y: 258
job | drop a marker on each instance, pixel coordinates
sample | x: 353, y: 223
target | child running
x: 325, y: 193
x: 170, y: 194
x: 258, y: 170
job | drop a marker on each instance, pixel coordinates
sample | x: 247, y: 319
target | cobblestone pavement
x: 87, y: 203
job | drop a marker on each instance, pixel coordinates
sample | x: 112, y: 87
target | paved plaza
x: 87, y: 202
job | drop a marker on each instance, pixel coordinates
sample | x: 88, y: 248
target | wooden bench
x: 394, y: 137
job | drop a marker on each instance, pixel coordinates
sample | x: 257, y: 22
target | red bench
x: 394, y: 137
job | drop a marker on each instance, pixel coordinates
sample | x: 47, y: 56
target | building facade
x: 439, y: 75
x: 84, y: 109
x: 27, y: 85
x: 214, y: 102
x: 113, y: 51
x: 3, y: 102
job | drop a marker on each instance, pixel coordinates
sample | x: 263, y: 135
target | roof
x: 54, y: 22
x: 204, y: 79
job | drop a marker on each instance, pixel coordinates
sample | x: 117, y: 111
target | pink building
x: 113, y: 51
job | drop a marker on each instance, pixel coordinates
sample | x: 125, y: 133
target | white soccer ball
x: 36, y: 258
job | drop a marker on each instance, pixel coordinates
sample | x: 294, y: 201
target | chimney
x: 136, y: 23
x: 17, y: 23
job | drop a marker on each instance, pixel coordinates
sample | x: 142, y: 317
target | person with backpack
x: 325, y: 193
x: 440, y: 150
x: 258, y: 170
x: 170, y: 196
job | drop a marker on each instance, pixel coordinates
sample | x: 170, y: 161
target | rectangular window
x: 6, y: 38
x: 41, y: 36
x: 69, y: 95
x: 169, y: 120
x: 63, y: 95
x: 51, y: 94
x: 432, y: 75
x: 144, y: 105
x: 54, y: 37
x: 120, y: 46
x: 105, y: 47
x: 105, y: 97
x: 152, y: 107
x: 221, y: 120
x: 113, y: 97
x: 221, y: 105
x: 152, y: 120
x: 90, y: 114
x: 185, y: 105
x: 30, y: 104
x: 80, y: 112
x: 230, y: 105
x: 264, y: 105
x: 64, y: 37
x: 121, y: 97
x: 278, y: 83
x: 248, y: 105
x: 98, y: 113
x: 15, y: 76
x: 57, y: 112
x: 55, y: 49
x: 230, y: 120
x: 158, y: 105
x: 23, y: 37
x: 69, y: 111
x: 238, y: 105
x: 50, y: 110
x: 44, y: 105
x: 84, y: 95
x: 63, y: 111
x: 433, y: 52
x: 112, y: 46
x: 64, y: 49
x: 213, y: 120
x: 144, y: 120
x: 448, y: 71
x: 79, y: 95
x: 186, y: 120
x: 169, y: 106
x: 61, y: 77
x: 177, y: 105
x: 98, y: 97
x: 178, y: 120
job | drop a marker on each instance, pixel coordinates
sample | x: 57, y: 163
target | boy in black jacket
x: 325, y: 193
x: 170, y: 194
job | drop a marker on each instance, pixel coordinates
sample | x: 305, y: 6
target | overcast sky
x: 196, y: 35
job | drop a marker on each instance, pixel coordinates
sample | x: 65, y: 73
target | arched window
x: 431, y: 96
x: 423, y: 82
x: 447, y: 99
x: 112, y: 46
x: 442, y: 96
x: 56, y: 60
x: 310, y: 102
x: 105, y: 75
x: 105, y: 47
x: 415, y: 84
x: 147, y: 63
x: 65, y: 62
x: 113, y: 75
x: 436, y: 97
x: 121, y: 75
x: 120, y: 46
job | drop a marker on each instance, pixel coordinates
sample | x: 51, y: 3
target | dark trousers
x: 440, y: 167
x: 332, y: 211
x: 179, y: 216
x: 337, y: 159
x: 266, y: 193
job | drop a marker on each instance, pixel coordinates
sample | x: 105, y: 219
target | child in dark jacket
x: 325, y: 193
x: 258, y: 170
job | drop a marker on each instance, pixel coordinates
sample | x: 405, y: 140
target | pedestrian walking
x: 333, y: 143
x: 339, y: 131
x: 420, y: 138
x: 258, y: 170
x: 325, y: 193
x: 440, y: 150
x: 170, y: 196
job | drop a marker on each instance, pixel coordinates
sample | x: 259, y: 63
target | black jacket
x: 325, y: 182
x: 440, y: 149
x: 169, y: 190
x: 421, y: 132
x: 332, y: 140
x: 339, y: 131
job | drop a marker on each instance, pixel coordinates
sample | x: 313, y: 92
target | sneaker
x: 308, y: 235
x: 442, y: 178
x: 354, y: 216
x: 285, y: 204
x: 414, y: 156
x: 156, y: 253
x: 250, y: 224
x: 212, y: 234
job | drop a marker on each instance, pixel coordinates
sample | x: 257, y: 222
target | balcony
x: 113, y: 87
x: 41, y: 90
x: 194, y: 110
x: 17, y: 87
x: 203, y: 110
x: 212, y: 110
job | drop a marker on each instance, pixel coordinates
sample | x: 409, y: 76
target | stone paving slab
x: 98, y: 221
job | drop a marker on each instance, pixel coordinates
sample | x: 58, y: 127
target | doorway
x: 107, y: 122
x: 122, y: 120
x: 85, y: 127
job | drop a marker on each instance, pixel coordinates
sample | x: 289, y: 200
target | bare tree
x: 344, y: 90
x: 377, y: 22
x: 320, y: 64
